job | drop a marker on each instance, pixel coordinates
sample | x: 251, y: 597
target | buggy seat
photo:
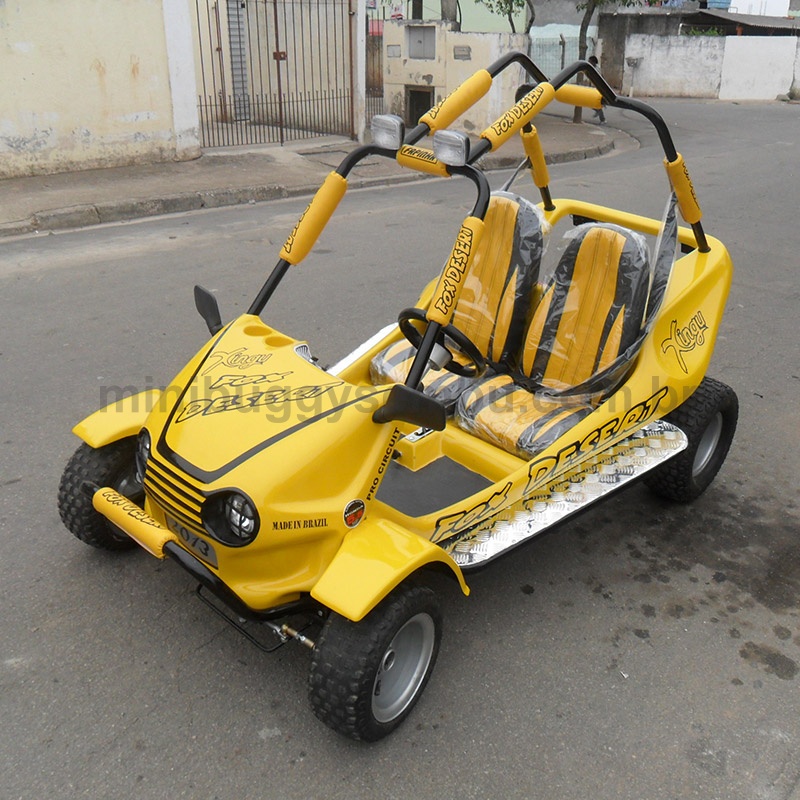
x: 591, y: 312
x: 495, y: 301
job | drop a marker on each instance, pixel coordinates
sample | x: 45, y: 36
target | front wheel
x: 112, y: 465
x: 366, y: 676
x: 708, y: 418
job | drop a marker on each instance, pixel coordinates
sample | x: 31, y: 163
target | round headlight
x: 142, y: 454
x: 231, y: 518
x: 241, y: 516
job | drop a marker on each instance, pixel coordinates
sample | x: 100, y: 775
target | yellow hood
x: 249, y: 391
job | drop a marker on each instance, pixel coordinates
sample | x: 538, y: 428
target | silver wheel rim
x: 708, y: 445
x: 403, y: 668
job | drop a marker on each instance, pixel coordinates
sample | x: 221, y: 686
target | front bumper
x: 161, y: 543
x: 133, y: 520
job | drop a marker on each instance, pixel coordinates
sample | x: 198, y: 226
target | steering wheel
x: 450, y: 337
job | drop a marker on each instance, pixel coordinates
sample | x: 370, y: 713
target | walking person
x: 598, y: 112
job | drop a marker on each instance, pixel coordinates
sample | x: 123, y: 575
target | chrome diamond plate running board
x: 573, y: 491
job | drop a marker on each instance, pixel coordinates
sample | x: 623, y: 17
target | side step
x: 573, y: 491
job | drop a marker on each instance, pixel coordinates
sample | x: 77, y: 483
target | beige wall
x: 444, y: 72
x: 87, y: 83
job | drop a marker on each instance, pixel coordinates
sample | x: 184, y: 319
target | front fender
x: 373, y: 559
x: 118, y: 420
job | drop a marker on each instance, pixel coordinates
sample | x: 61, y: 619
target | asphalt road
x: 646, y: 651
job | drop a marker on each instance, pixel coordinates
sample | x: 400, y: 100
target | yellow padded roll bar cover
x: 682, y: 184
x: 532, y: 145
x: 451, y: 281
x: 314, y: 218
x: 422, y: 160
x: 444, y: 113
x: 519, y: 115
x: 584, y: 96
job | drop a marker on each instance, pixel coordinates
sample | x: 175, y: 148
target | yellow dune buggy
x: 507, y: 400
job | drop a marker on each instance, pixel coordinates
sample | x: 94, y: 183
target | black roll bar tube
x: 638, y: 107
x: 421, y: 130
x: 281, y: 268
x: 344, y: 169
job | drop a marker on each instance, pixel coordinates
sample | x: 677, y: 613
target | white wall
x: 476, y: 18
x: 183, y: 88
x: 770, y: 8
x: 724, y: 67
x: 674, y: 66
x: 795, y: 92
x: 758, y: 67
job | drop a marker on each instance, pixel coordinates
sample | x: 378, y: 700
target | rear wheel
x: 708, y: 418
x: 367, y: 676
x: 111, y: 465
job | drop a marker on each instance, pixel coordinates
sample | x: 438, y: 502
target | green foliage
x: 702, y: 32
x: 508, y: 8
x: 503, y: 7
x: 583, y: 6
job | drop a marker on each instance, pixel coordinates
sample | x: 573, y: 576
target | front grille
x: 174, y: 494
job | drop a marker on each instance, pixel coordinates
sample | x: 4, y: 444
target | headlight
x: 451, y: 147
x: 142, y: 454
x: 241, y: 516
x: 231, y: 518
x: 388, y: 131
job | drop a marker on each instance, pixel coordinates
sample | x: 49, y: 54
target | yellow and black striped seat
x: 495, y: 301
x: 591, y: 312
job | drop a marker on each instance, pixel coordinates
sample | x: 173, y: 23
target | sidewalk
x: 230, y: 176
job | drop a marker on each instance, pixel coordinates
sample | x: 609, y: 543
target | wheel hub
x: 708, y: 444
x: 403, y: 668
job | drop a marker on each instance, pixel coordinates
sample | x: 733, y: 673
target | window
x: 421, y: 41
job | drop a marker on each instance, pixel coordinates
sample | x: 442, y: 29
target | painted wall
x: 475, y: 17
x: 443, y: 72
x: 90, y: 83
x: 562, y: 16
x: 758, y: 67
x: 770, y: 8
x: 615, y: 27
x: 673, y: 66
x: 724, y: 67
x: 795, y: 90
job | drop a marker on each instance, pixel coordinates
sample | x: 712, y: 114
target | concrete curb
x: 126, y: 210
x: 581, y: 154
x: 82, y: 216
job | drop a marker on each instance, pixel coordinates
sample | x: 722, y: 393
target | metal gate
x: 376, y: 16
x: 552, y: 55
x: 273, y: 70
